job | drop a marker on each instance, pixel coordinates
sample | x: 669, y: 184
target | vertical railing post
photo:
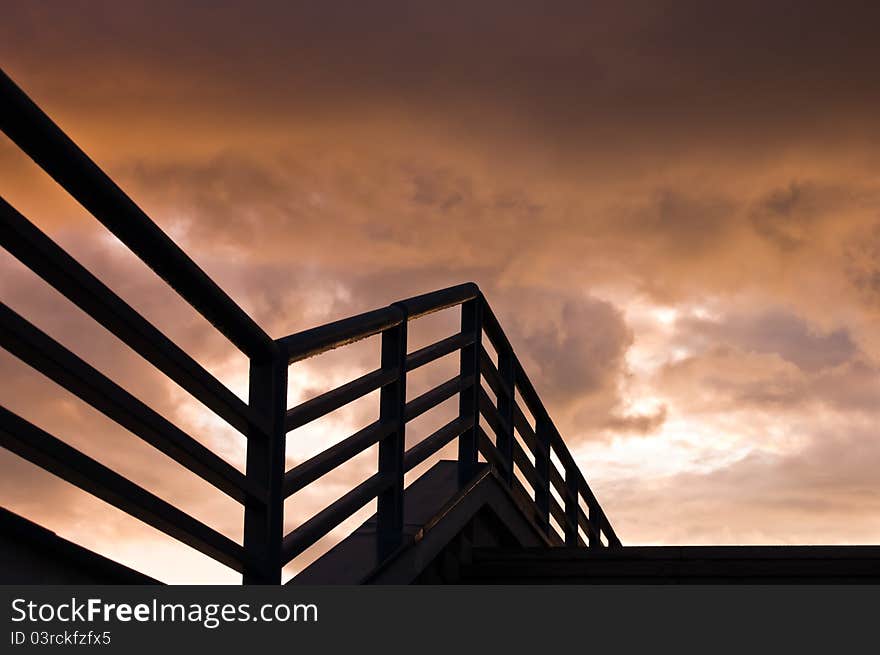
x: 506, y: 400
x: 263, y: 522
x: 572, y: 488
x: 392, y: 404
x: 469, y: 399
x: 542, y: 468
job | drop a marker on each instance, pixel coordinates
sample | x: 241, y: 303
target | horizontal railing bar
x: 493, y: 330
x: 433, y: 397
x: 348, y: 330
x: 528, y: 394
x: 493, y: 377
x: 435, y: 441
x: 585, y: 491
x: 526, y: 467
x: 320, y: 524
x: 319, y: 406
x: 41, y: 139
x: 434, y: 301
x: 587, y: 525
x: 437, y: 350
x: 320, y: 339
x: 558, y: 483
x: 558, y: 514
x: 56, y: 362
x: 490, y: 413
x: 528, y: 434
x: 53, y: 455
x: 52, y: 263
x: 327, y: 460
x: 558, y: 446
x: 489, y: 451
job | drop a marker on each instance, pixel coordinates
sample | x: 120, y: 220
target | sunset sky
x: 673, y: 208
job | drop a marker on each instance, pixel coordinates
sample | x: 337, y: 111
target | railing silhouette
x: 265, y: 420
x: 503, y: 417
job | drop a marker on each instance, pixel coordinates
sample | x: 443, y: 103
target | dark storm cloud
x: 681, y: 222
x: 641, y: 67
x: 577, y: 348
x: 774, y: 332
x: 789, y: 216
x: 574, y: 347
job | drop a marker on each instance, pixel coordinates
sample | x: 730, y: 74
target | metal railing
x: 580, y: 512
x: 265, y: 420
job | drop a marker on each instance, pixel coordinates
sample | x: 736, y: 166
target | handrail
x: 339, y: 333
x: 43, y: 353
x: 41, y: 448
x: 435, y: 301
x: 52, y: 263
x: 44, y: 142
x: 315, y: 341
x: 521, y: 454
